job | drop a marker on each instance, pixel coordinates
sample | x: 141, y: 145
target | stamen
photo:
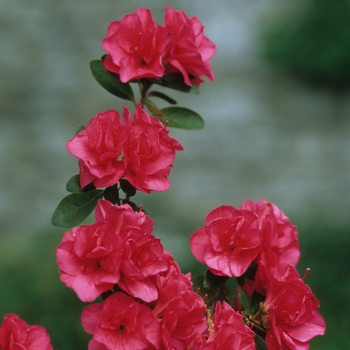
x: 306, y: 273
x: 209, y: 321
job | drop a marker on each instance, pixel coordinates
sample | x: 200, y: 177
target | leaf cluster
x: 178, y: 117
x: 79, y: 204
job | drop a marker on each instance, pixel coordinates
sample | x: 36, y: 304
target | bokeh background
x: 277, y: 127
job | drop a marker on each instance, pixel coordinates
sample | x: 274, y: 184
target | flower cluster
x: 149, y: 303
x: 113, y: 146
x: 258, y: 245
x: 17, y: 334
x: 289, y: 310
x: 226, y: 331
x: 232, y: 239
x: 139, y: 48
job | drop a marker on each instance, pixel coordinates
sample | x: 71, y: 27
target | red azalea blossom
x: 229, y: 331
x: 99, y: 148
x: 280, y: 247
x: 143, y: 258
x: 120, y: 322
x: 180, y: 310
x: 143, y: 255
x: 135, y: 46
x: 189, y: 51
x: 228, y: 242
x: 226, y: 332
x: 149, y: 153
x: 89, y: 258
x: 291, y: 316
x: 16, y: 334
x: 121, y: 217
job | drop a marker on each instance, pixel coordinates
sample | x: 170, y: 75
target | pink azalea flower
x: 229, y: 330
x: 120, y: 322
x: 143, y: 256
x: 189, y: 51
x: 121, y: 217
x: 280, y: 247
x: 89, y: 258
x: 180, y: 310
x: 135, y: 46
x: 291, y: 316
x: 228, y: 242
x: 99, y: 148
x: 149, y: 153
x: 16, y: 334
x: 142, y: 260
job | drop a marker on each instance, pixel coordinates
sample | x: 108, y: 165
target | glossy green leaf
x: 111, y: 82
x: 197, y: 285
x: 260, y: 343
x: 79, y: 128
x: 197, y: 282
x: 111, y: 193
x: 244, y: 300
x: 213, y: 282
x: 162, y: 96
x: 127, y: 187
x: 76, y: 207
x: 183, y: 118
x: 175, y: 81
x: 73, y: 185
x: 152, y: 107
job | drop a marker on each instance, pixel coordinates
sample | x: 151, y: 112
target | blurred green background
x: 277, y: 127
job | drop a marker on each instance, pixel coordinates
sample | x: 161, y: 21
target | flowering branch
x: 147, y: 302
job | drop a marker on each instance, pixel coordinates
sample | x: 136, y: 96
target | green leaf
x: 111, y: 193
x: 127, y: 187
x: 74, y: 208
x: 162, y: 96
x: 197, y: 282
x: 111, y: 82
x: 213, y: 282
x: 175, y: 81
x: 197, y: 285
x: 244, y: 300
x: 79, y: 128
x: 260, y: 343
x: 153, y: 108
x: 73, y: 185
x: 183, y: 118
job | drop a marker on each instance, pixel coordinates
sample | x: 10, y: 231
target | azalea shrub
x: 145, y: 300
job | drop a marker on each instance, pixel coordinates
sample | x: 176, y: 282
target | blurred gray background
x: 266, y: 136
